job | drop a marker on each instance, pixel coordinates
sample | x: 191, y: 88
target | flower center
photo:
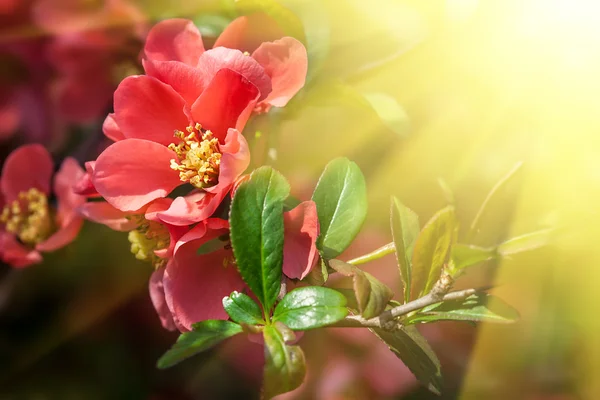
x: 146, y: 238
x: 198, y: 157
x: 28, y: 217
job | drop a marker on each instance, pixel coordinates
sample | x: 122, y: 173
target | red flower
x: 206, y: 97
x: 192, y: 286
x: 29, y: 224
x: 91, y: 60
x: 151, y: 239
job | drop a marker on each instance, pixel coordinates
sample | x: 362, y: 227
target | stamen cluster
x: 198, y: 157
x: 28, y: 217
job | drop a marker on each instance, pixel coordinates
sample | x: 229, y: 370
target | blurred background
x: 435, y: 100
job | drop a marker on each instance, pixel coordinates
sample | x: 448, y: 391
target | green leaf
x: 315, y: 22
x: 478, y: 307
x: 341, y: 198
x: 432, y: 251
x: 529, y: 241
x: 205, y: 335
x: 405, y: 230
x: 466, y: 255
x: 485, y: 206
x: 242, y: 309
x: 311, y: 307
x: 256, y: 222
x: 285, y: 366
x: 414, y: 351
x: 389, y: 112
x: 211, y: 25
x: 372, y: 295
x: 318, y: 275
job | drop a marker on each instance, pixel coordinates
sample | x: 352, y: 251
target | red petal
x: 235, y: 158
x: 157, y: 295
x: 196, y: 284
x: 69, y: 173
x: 65, y: 235
x: 27, y: 167
x: 218, y: 58
x: 15, y: 254
x: 186, y: 80
x: 299, y: 247
x: 248, y: 32
x: 131, y: 173
x: 174, y: 40
x: 146, y: 108
x: 224, y: 102
x: 194, y: 208
x: 286, y: 62
x: 84, y: 185
x: 111, y: 128
x: 103, y: 213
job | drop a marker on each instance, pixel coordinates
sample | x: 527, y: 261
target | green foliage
x: 256, y: 223
x: 466, y: 255
x: 311, y: 307
x: 477, y: 307
x: 285, y: 366
x: 341, y: 198
x: 405, y: 230
x: 529, y: 241
x: 211, y: 25
x: 205, y: 335
x: 432, y: 251
x: 242, y: 309
x: 389, y: 112
x: 414, y: 351
x: 372, y: 296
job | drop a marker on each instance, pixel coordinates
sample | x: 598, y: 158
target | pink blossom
x: 29, y: 224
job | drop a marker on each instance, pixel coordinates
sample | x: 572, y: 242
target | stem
x: 383, y: 320
x: 374, y: 255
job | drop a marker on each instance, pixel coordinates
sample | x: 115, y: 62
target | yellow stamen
x: 198, y: 157
x: 146, y: 238
x: 28, y: 217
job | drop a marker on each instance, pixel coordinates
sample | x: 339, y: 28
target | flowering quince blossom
x: 191, y: 287
x: 28, y: 222
x: 205, y: 98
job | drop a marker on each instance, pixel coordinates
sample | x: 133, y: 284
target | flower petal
x: 194, y: 208
x: 15, y: 254
x: 146, y: 108
x: 102, y: 212
x: 186, y: 80
x: 84, y: 185
x: 225, y: 103
x: 286, y: 62
x: 111, y: 128
x: 214, y: 60
x: 248, y: 32
x: 235, y: 158
x: 131, y: 173
x: 174, y: 40
x: 157, y: 295
x: 69, y: 173
x: 27, y: 167
x: 299, y: 247
x: 65, y: 235
x: 196, y: 284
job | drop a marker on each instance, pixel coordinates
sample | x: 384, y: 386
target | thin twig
x: 384, y: 319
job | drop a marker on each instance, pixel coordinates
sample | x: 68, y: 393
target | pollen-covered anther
x: 198, y: 157
x: 28, y: 217
x: 148, y: 237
